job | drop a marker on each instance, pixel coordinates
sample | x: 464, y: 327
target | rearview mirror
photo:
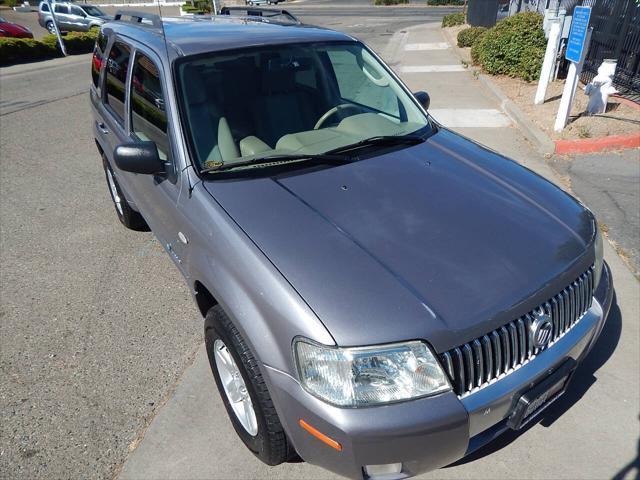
x: 138, y: 157
x: 423, y: 99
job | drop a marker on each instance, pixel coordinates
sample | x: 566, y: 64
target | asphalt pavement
x: 96, y: 324
x: 610, y: 184
x: 600, y: 408
x: 100, y: 341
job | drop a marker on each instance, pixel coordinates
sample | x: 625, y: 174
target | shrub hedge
x: 445, y: 2
x: 389, y: 2
x: 453, y: 19
x: 469, y: 36
x: 514, y: 47
x: 16, y: 50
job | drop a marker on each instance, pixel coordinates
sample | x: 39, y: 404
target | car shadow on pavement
x: 583, y: 379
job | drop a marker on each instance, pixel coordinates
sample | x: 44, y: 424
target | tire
x: 268, y: 440
x: 127, y: 215
x: 50, y: 27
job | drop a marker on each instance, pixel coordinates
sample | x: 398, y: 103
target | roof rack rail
x: 261, y: 13
x: 138, y: 18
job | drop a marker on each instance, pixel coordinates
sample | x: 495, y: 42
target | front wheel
x: 50, y: 27
x: 243, y: 390
x: 127, y: 215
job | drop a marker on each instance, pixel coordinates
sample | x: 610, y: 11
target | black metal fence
x: 616, y: 34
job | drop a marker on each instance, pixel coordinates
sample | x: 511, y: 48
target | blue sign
x: 578, y: 33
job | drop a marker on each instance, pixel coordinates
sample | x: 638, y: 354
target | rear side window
x: 61, y: 9
x: 148, y: 115
x: 77, y: 11
x: 44, y: 7
x: 98, y: 57
x: 116, y: 77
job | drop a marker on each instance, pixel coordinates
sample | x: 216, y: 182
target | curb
x: 594, y: 145
x: 541, y: 141
x: 535, y: 135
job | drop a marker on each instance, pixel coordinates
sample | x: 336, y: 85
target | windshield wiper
x: 381, y: 140
x: 282, y: 158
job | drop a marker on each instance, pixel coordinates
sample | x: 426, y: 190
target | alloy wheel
x: 234, y: 388
x: 114, y: 192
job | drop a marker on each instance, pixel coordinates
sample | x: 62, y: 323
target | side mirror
x: 423, y: 99
x: 138, y: 157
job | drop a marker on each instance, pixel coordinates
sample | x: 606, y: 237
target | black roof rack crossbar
x: 138, y: 18
x: 264, y: 13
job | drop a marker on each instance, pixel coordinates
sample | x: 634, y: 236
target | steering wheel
x: 338, y: 108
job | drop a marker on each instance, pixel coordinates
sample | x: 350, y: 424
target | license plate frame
x: 535, y: 400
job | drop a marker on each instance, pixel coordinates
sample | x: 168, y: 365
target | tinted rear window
x: 61, y: 9
x: 98, y: 56
x: 116, y: 77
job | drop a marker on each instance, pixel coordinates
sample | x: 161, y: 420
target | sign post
x: 549, y: 60
x: 577, y: 46
x: 55, y: 28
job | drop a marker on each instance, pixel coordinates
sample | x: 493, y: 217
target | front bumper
x: 427, y: 433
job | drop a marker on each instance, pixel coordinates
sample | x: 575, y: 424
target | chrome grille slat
x: 474, y: 364
x: 513, y: 336
x: 572, y: 304
x: 486, y: 343
x: 522, y: 340
x: 459, y: 369
x: 468, y: 360
x: 555, y: 317
x: 477, y: 349
x: 561, y: 311
x: 506, y: 348
x: 497, y: 351
x: 448, y: 364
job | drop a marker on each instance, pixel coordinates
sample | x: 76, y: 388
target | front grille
x: 481, y: 361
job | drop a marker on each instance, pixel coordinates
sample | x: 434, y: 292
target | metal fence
x: 616, y: 34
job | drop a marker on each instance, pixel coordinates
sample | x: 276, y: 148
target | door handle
x: 102, y: 127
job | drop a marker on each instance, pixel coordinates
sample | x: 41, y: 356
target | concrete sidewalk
x: 591, y: 432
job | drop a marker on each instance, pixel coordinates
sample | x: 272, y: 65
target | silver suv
x: 381, y: 296
x: 71, y: 16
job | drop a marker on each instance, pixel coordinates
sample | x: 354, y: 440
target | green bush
x: 14, y: 50
x: 469, y: 36
x: 445, y: 2
x: 453, y: 19
x: 201, y: 7
x: 514, y: 47
x: 389, y: 2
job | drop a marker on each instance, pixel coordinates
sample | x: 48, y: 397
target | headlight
x: 365, y: 376
x: 599, y: 256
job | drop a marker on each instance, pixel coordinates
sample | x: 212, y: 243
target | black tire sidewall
x: 216, y: 327
x: 129, y: 217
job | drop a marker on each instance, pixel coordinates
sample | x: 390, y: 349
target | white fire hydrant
x: 601, y: 87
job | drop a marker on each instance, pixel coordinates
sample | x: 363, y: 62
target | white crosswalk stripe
x: 411, y: 47
x: 470, y: 117
x: 432, y: 68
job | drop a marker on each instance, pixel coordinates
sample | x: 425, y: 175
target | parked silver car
x: 71, y: 16
x: 381, y: 296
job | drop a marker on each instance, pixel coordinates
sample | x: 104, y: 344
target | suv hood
x: 441, y: 241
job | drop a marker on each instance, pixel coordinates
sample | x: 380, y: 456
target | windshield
x: 93, y: 11
x: 290, y: 100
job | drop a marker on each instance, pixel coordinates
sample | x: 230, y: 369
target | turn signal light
x: 320, y: 436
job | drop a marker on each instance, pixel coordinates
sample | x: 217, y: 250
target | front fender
x: 264, y: 307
